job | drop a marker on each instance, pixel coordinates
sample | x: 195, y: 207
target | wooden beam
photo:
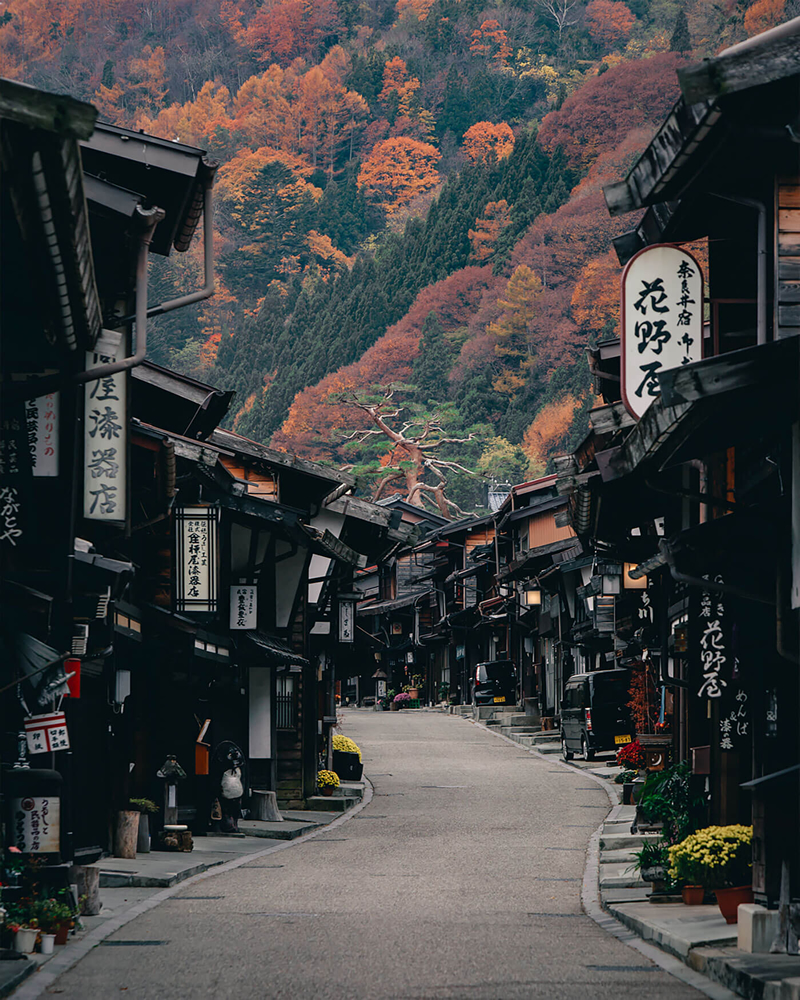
x: 770, y: 57
x: 51, y: 112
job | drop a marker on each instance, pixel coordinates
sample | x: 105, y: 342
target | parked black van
x: 495, y: 683
x: 594, y: 713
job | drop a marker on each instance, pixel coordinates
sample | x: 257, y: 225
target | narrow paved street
x: 461, y: 878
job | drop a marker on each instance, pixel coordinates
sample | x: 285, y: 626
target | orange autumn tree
x: 763, y: 15
x: 595, y: 300
x: 496, y: 216
x: 398, y: 170
x: 609, y: 21
x: 546, y: 435
x: 512, y: 331
x: 491, y: 41
x: 413, y: 8
x: 486, y: 142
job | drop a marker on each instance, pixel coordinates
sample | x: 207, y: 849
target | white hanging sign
x: 662, y: 320
x: 197, y: 548
x: 105, y: 435
x: 41, y: 425
x: 46, y: 733
x: 346, y: 621
x: 244, y: 607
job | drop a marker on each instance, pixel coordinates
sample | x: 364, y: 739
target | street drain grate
x: 581, y: 849
x: 560, y: 916
x: 262, y: 866
x: 327, y: 840
x: 179, y: 898
x: 621, y: 968
x: 132, y: 944
x: 444, y: 786
x: 371, y: 817
x: 545, y: 878
x: 580, y: 826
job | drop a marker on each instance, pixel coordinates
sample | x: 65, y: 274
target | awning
x: 276, y: 652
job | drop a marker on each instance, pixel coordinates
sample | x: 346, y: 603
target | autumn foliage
x: 485, y: 142
x: 398, y: 170
x: 545, y: 436
x: 596, y: 118
x: 609, y: 21
x: 496, y: 216
x: 763, y: 15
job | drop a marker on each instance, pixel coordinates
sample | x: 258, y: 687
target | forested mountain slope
x: 409, y: 194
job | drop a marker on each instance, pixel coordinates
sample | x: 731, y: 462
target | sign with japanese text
x: 36, y: 824
x: 347, y: 625
x: 15, y: 473
x: 244, y: 607
x: 715, y: 653
x: 105, y: 435
x: 46, y: 733
x: 662, y: 320
x: 41, y: 426
x: 196, y: 554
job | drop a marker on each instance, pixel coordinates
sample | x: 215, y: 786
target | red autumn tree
x: 609, y: 21
x: 597, y: 117
x: 485, y: 141
x: 595, y: 301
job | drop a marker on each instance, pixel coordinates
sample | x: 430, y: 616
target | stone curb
x: 75, y: 951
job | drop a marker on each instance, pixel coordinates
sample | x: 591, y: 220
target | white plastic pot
x: 25, y: 940
x: 48, y: 940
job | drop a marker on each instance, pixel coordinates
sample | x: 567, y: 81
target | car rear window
x: 610, y: 690
x: 499, y: 671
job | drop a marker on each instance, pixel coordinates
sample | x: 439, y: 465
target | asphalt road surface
x: 460, y: 879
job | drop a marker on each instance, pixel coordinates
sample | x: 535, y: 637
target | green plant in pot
x: 145, y: 807
x: 652, y: 861
x: 668, y: 800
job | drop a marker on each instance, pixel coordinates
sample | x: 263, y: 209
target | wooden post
x: 170, y: 804
x: 126, y: 834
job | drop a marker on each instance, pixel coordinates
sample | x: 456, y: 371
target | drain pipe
x: 208, y: 261
x: 761, y: 269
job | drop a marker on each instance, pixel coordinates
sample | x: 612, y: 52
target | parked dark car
x: 594, y: 713
x: 495, y: 683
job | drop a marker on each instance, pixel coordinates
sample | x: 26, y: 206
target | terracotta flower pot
x: 326, y: 790
x: 728, y: 901
x: 62, y: 933
x: 693, y: 895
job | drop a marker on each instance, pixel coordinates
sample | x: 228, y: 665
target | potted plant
x: 627, y: 779
x: 717, y: 858
x: 668, y: 802
x: 390, y: 696
x: 24, y: 925
x: 327, y: 781
x: 346, y: 758
x: 444, y: 690
x: 402, y: 700
x: 144, y: 807
x: 57, y: 918
x: 652, y: 862
x: 416, y: 683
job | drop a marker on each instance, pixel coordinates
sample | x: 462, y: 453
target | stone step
x: 523, y: 720
x: 626, y: 841
x: 620, y: 876
x: 548, y: 736
x: 617, y: 857
x: 520, y: 730
x: 331, y: 803
x: 547, y: 747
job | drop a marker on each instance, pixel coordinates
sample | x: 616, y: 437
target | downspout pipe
x: 761, y: 264
x: 151, y: 219
x: 208, y: 262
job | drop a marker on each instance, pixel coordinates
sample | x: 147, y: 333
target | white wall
x: 260, y: 712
